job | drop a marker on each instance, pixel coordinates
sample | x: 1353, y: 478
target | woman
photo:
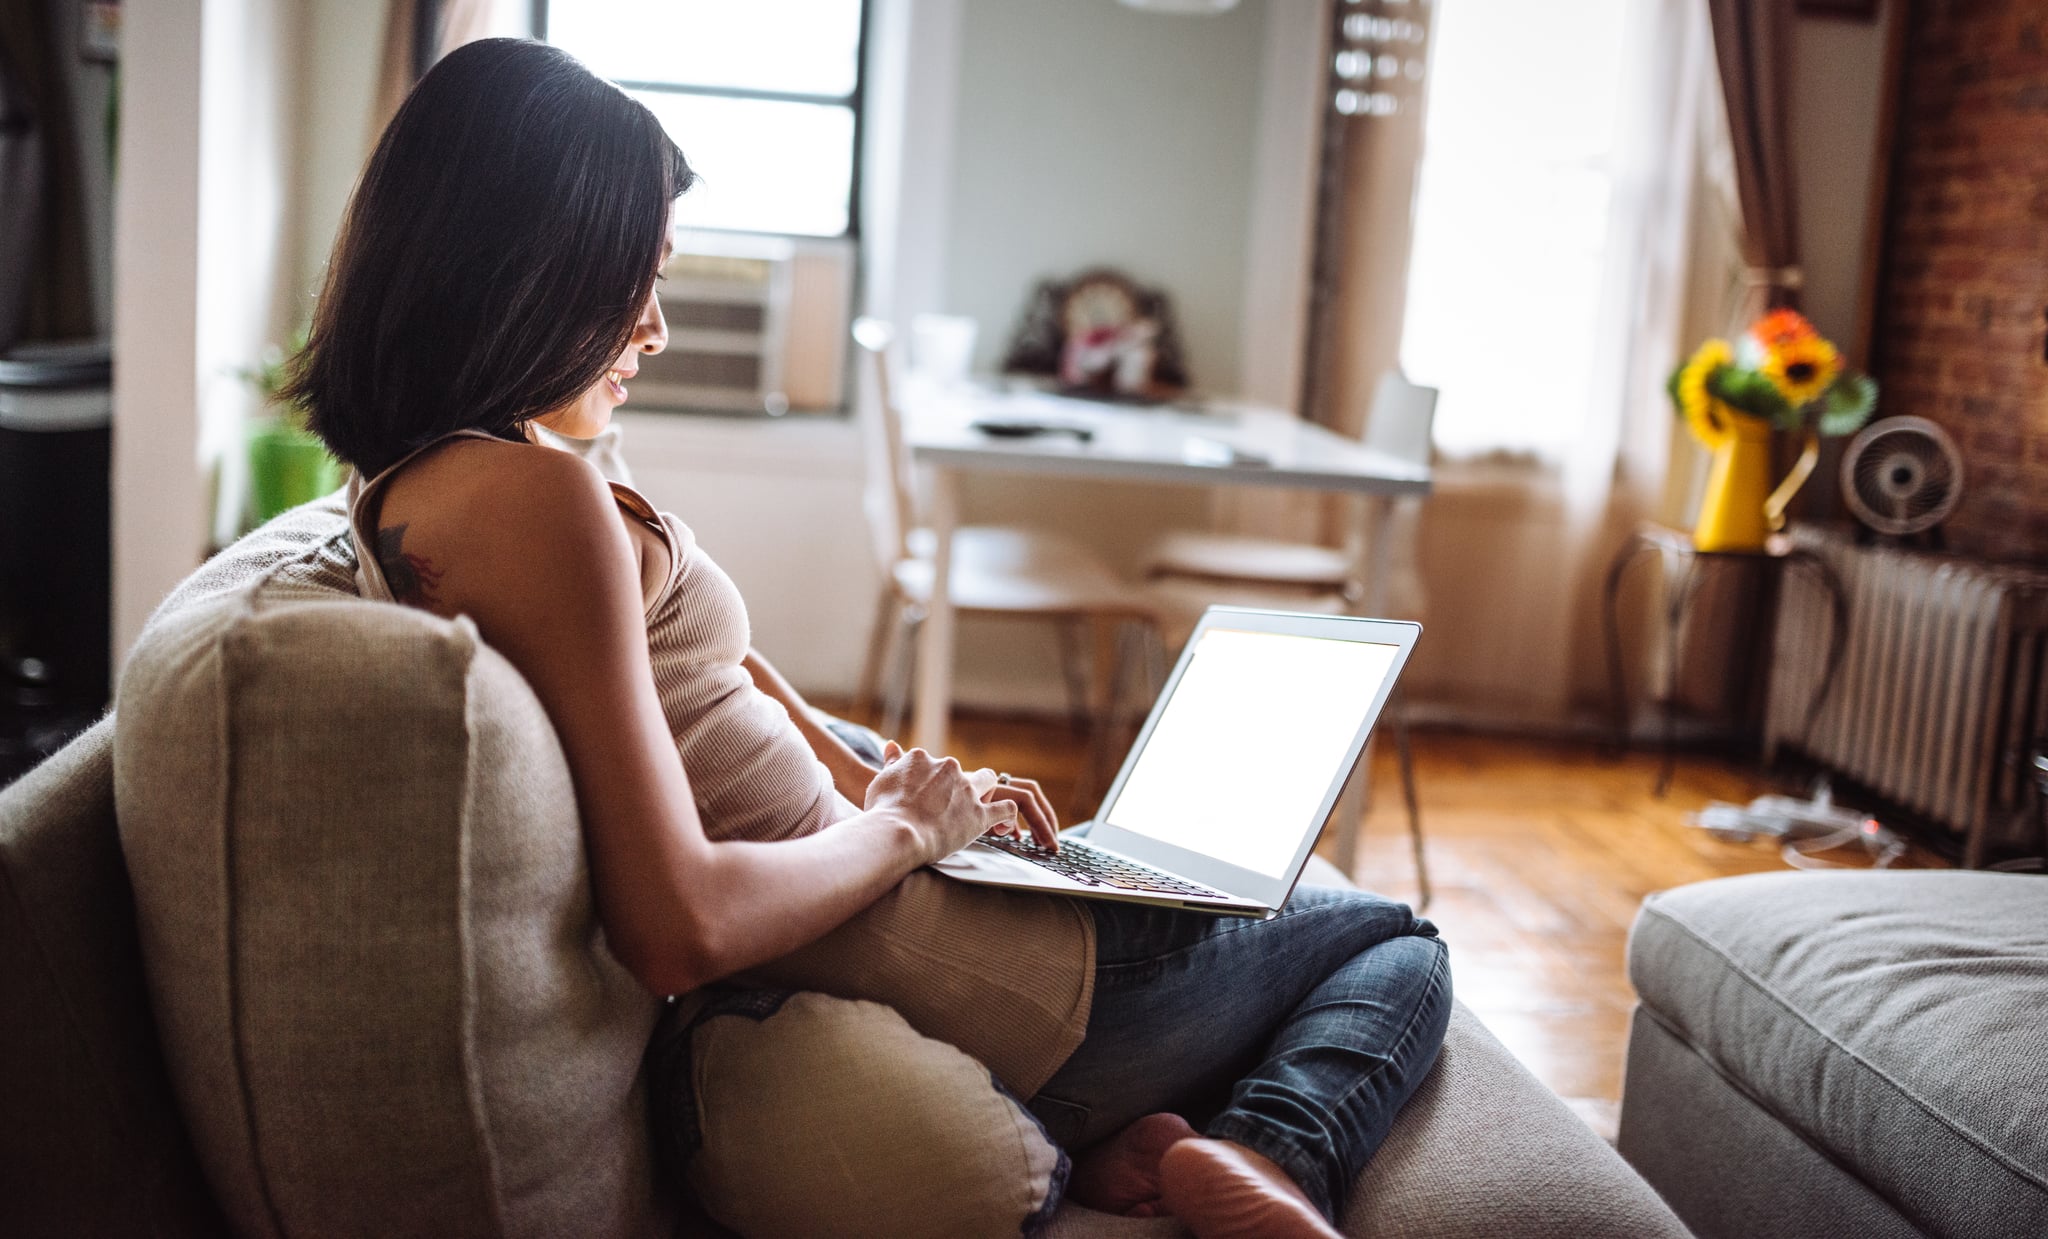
x: 496, y: 273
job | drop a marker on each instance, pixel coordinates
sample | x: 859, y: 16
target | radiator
x: 1939, y: 694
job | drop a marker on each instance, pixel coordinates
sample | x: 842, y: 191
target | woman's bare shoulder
x: 480, y: 516
x: 483, y: 469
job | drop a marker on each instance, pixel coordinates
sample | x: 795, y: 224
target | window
x: 764, y: 98
x: 1513, y: 244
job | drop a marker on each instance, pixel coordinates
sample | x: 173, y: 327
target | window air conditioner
x: 756, y: 325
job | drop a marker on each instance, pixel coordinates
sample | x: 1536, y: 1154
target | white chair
x: 1399, y: 425
x: 996, y: 571
x: 1194, y: 570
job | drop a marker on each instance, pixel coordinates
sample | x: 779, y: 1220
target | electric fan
x: 1902, y: 476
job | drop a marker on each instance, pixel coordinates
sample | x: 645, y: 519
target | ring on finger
x: 1002, y: 780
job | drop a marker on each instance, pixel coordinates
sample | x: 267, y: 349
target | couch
x: 345, y: 977
x: 1853, y: 1054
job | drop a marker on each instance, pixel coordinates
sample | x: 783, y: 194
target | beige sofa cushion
x: 799, y: 1114
x: 367, y: 929
x: 1892, y: 1020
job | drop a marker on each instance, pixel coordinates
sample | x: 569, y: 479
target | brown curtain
x: 1365, y: 219
x: 1753, y: 45
x: 1365, y: 229
x: 441, y: 26
x: 45, y: 291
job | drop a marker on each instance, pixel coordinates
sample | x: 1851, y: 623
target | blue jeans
x: 1298, y: 1037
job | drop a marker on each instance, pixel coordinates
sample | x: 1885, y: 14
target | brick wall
x: 1961, y: 328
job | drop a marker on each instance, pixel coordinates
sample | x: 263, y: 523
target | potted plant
x: 288, y: 466
x: 1781, y: 375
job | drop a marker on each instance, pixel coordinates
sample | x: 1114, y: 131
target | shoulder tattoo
x: 412, y: 578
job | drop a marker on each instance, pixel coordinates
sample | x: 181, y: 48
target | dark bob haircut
x: 495, y: 256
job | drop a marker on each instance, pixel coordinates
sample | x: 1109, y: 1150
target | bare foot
x: 1225, y: 1191
x: 1121, y: 1175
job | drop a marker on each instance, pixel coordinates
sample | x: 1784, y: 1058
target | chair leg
x: 1105, y: 663
x: 1071, y: 671
x: 888, y: 612
x: 1407, y: 760
x: 903, y: 664
x: 1347, y: 817
x: 1127, y: 652
x: 1158, y: 661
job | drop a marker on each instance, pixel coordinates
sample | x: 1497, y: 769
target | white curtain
x: 1659, y: 273
x: 1550, y: 348
x: 1668, y: 89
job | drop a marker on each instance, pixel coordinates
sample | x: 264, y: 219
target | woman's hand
x: 1034, y: 806
x: 943, y: 804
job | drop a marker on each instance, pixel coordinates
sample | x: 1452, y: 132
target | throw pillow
x: 367, y: 928
x: 801, y: 1114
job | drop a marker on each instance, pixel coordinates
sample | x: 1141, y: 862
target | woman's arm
x: 849, y: 773
x: 552, y: 585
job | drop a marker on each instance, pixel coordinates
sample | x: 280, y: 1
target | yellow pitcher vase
x: 1740, y: 511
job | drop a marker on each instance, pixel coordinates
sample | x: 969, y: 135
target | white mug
x: 942, y: 347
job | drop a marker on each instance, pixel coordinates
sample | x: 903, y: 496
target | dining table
x: 954, y: 430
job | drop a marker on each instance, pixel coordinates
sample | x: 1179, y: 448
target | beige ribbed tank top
x: 1004, y: 975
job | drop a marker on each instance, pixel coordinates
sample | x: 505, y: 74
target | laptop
x: 1245, y: 753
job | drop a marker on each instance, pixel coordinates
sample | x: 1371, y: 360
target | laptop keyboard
x: 1093, y: 867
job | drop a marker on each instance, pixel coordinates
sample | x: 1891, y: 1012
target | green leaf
x: 1671, y: 390
x: 1847, y: 404
x: 1752, y: 393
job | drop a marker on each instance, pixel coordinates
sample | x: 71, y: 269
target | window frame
x: 856, y: 101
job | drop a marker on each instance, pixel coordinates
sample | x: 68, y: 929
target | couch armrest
x: 92, y: 1143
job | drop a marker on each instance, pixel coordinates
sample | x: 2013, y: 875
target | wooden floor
x: 1539, y: 854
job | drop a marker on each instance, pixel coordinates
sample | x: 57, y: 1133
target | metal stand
x: 1673, y: 544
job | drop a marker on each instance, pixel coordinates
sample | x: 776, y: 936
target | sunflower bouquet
x: 1782, y: 371
x: 1781, y: 375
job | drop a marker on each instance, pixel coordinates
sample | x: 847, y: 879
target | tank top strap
x: 362, y: 495
x: 674, y: 535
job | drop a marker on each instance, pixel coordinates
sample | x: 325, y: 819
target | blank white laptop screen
x: 1249, y: 744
